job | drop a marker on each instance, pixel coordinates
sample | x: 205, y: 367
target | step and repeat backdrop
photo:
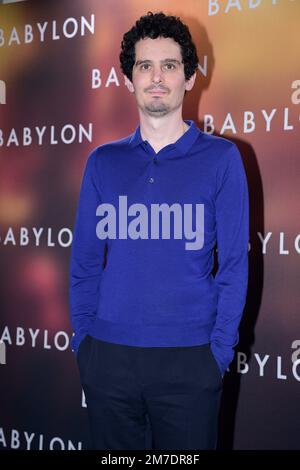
x: 62, y: 94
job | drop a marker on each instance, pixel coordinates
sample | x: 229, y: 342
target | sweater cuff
x: 76, y: 340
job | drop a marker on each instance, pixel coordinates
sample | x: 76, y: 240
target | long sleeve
x: 232, y: 224
x: 87, y: 255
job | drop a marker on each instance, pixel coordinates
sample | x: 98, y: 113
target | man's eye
x: 170, y: 65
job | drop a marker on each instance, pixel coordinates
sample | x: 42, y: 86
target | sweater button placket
x: 154, y: 161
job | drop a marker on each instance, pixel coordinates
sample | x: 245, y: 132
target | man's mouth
x: 157, y: 92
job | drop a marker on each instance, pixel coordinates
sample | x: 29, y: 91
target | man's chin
x: 156, y: 110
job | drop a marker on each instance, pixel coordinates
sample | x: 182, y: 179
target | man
x: 154, y: 329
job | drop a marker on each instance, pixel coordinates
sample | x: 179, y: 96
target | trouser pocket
x: 84, y: 355
x: 215, y: 365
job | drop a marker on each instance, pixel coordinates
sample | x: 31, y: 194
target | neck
x: 160, y: 132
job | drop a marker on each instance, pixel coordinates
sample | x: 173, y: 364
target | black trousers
x: 175, y: 389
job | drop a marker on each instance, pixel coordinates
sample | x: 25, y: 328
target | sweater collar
x: 181, y: 146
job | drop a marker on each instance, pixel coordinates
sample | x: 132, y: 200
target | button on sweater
x: 146, y: 232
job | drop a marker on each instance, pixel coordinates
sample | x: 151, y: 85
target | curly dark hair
x: 154, y: 25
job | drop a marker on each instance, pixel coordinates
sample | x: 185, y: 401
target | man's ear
x: 190, y: 82
x: 129, y: 84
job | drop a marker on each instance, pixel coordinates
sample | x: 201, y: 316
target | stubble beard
x: 159, y: 109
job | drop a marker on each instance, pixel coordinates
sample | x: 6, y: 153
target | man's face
x: 158, y: 79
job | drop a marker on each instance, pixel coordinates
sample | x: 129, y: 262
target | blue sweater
x: 143, y: 277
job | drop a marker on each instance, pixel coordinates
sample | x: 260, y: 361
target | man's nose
x: 157, y: 75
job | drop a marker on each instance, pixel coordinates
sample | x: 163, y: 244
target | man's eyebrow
x: 138, y: 62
